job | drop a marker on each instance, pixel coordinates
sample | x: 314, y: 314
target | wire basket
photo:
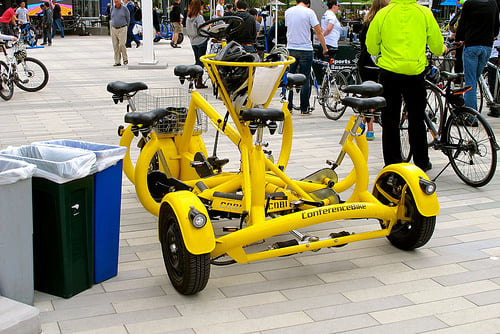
x: 176, y: 100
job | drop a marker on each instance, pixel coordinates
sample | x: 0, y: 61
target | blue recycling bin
x: 107, y: 203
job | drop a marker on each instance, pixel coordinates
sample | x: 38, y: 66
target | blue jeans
x: 57, y: 24
x: 475, y: 58
x: 199, y: 50
x: 302, y: 64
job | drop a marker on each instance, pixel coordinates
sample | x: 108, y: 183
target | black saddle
x: 262, y: 115
x: 366, y: 89
x: 364, y: 103
x: 193, y: 71
x: 121, y: 88
x: 147, y: 118
x: 295, y: 80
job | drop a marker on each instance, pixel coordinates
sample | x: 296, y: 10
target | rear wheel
x: 32, y: 75
x: 434, y: 110
x: 471, y: 147
x: 480, y: 93
x: 331, y: 94
x: 7, y: 85
x: 188, y: 273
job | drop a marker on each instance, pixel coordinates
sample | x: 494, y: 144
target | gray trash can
x: 16, y: 230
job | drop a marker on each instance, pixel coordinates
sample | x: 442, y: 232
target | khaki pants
x: 119, y: 37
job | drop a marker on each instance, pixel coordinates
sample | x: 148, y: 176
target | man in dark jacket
x: 247, y: 33
x: 477, y: 27
x: 47, y: 19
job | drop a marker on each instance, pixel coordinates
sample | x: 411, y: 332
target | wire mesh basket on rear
x: 176, y: 100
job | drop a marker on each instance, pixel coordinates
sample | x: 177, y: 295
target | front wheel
x: 331, y: 94
x: 412, y: 230
x: 32, y: 75
x: 188, y: 273
x: 6, y: 84
x: 471, y: 147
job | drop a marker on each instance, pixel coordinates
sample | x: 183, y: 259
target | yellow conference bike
x: 189, y: 191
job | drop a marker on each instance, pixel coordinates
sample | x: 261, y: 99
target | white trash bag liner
x: 264, y: 80
x: 54, y: 163
x: 106, y: 155
x: 12, y: 171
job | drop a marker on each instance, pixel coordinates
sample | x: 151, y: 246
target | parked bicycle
x: 167, y: 31
x: 28, y: 34
x: 75, y: 24
x: 27, y: 73
x: 484, y: 91
x: 461, y: 133
x: 196, y: 190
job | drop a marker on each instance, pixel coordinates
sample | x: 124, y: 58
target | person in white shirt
x: 331, y: 26
x: 219, y: 10
x: 299, y: 20
x: 22, y: 13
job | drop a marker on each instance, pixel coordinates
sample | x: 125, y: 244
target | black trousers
x: 411, y: 88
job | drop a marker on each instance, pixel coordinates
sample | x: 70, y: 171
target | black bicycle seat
x: 146, y: 118
x: 121, y: 88
x: 295, y: 80
x: 364, y: 103
x: 451, y: 76
x: 192, y: 71
x: 366, y: 89
x: 262, y: 114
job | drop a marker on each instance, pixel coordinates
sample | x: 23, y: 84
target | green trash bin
x: 62, y: 192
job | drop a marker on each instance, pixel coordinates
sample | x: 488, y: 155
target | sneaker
x: 125, y: 62
x: 43, y: 44
x: 370, y: 135
x: 138, y: 44
x: 428, y: 167
x: 117, y: 64
x: 176, y: 46
x: 306, y: 112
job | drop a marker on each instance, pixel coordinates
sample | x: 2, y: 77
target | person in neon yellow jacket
x: 397, y: 37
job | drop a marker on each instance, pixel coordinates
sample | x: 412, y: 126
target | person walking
x: 365, y: 62
x: 8, y: 20
x: 47, y: 21
x: 299, y: 20
x: 398, y: 36
x: 198, y: 43
x: 57, y: 19
x: 120, y: 19
x: 247, y: 33
x: 176, y: 19
x: 331, y: 26
x: 477, y: 28
x: 219, y: 9
x: 130, y: 29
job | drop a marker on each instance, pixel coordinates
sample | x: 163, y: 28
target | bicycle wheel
x: 7, y: 86
x: 434, y: 110
x: 471, y: 147
x: 403, y: 134
x: 32, y: 75
x: 331, y: 94
x: 30, y: 38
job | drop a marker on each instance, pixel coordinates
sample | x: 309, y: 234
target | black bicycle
x: 460, y: 132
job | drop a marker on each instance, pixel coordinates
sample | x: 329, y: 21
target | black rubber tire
x: 480, y: 95
x: 188, y: 273
x: 7, y: 84
x: 34, y: 72
x: 156, y: 39
x: 434, y: 109
x: 416, y: 231
x: 331, y: 94
x: 471, y: 149
x: 180, y: 38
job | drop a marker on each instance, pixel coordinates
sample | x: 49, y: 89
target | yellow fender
x: 197, y: 240
x: 427, y: 205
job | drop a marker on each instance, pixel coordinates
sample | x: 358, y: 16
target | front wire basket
x: 175, y: 100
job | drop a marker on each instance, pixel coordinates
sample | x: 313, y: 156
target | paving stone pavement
x: 451, y: 285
